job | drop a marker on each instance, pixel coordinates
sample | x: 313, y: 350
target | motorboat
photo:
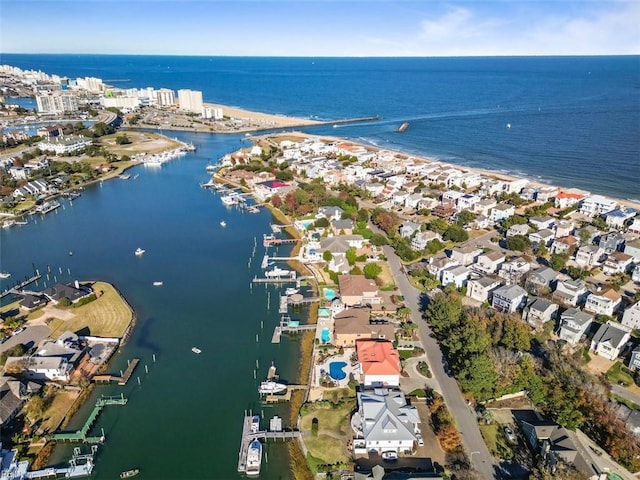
x: 277, y: 272
x: 269, y: 387
x: 211, y: 168
x: 5, y: 274
x: 255, y: 424
x: 254, y: 458
x: 139, y: 251
x: 232, y: 199
x: 130, y: 473
x: 157, y: 284
x: 223, y: 223
x: 291, y: 291
x: 196, y: 350
x: 390, y: 455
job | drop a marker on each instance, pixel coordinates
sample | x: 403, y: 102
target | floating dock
x: 81, y: 435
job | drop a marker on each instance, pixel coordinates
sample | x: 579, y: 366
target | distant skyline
x: 321, y: 28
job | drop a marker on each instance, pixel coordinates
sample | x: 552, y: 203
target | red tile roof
x: 378, y: 357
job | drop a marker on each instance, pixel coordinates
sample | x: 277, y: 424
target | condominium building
x: 56, y: 104
x: 190, y: 101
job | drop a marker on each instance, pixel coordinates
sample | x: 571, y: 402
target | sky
x: 317, y: 28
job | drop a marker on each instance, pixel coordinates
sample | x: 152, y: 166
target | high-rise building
x: 190, y: 101
x: 54, y: 104
x: 165, y: 97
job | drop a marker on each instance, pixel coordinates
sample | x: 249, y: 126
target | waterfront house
x: 595, y: 205
x: 589, y: 255
x: 379, y: 363
x: 612, y: 242
x: 617, y: 262
x: 264, y: 190
x: 634, y: 227
x: 64, y: 144
x: 566, y: 199
x: 508, y: 298
x: 488, y: 263
x: 603, y: 302
x: 384, y: 422
x: 634, y: 360
x: 633, y: 249
x: 467, y: 202
x: 356, y: 290
x: 465, y: 254
x: 341, y: 243
x: 330, y: 213
x: 456, y: 275
x: 573, y: 325
x: 610, y: 339
x: 444, y: 210
x: 66, y: 346
x: 480, y: 288
x: 355, y: 324
x: 30, y: 302
x: 40, y: 368
x: 74, y: 292
x: 538, y: 311
x: 618, y: 217
x: 484, y: 206
x: 13, y: 394
x: 421, y: 239
x: 570, y: 292
x: 631, y: 317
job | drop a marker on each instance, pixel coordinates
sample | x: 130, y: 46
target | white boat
x: 157, y: 284
x: 196, y: 350
x: 291, y: 291
x: 130, y: 473
x: 277, y: 272
x: 139, y: 251
x: 211, y: 168
x: 231, y: 199
x: 255, y: 424
x: 389, y: 455
x: 223, y: 223
x: 254, y: 458
x: 269, y: 387
x: 8, y: 223
x: 5, y: 274
x: 124, y: 176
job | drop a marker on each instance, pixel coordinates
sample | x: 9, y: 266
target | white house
x: 502, y: 211
x: 610, y: 339
x: 384, y: 422
x: 457, y: 275
x: 421, y: 239
x: 488, y: 262
x: 465, y: 255
x: 597, y: 205
x: 603, y: 302
x: 589, y: 255
x: 631, y: 316
x: 617, y: 262
x: 573, y: 325
x: 508, y: 298
x: 480, y: 288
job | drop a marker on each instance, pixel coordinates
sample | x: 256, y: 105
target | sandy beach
x: 276, y: 121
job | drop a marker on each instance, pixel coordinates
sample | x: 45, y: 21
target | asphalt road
x: 464, y: 417
x: 625, y: 393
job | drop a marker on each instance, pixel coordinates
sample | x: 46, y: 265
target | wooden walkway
x: 121, y: 379
x: 16, y: 288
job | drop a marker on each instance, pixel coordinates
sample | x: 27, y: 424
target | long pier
x: 81, y: 435
x: 16, y: 288
x: 289, y: 326
x: 268, y: 240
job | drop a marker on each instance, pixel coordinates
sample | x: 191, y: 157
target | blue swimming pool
x: 330, y: 293
x: 325, y: 335
x: 336, y: 370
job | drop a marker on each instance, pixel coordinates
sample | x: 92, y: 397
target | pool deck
x: 348, y: 368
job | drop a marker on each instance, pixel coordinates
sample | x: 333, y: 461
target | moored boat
x: 269, y: 387
x: 223, y: 223
x: 278, y: 272
x: 157, y: 284
x: 254, y: 458
x: 255, y: 423
x: 291, y: 291
x: 196, y: 350
x: 5, y: 274
x: 139, y: 251
x: 130, y: 473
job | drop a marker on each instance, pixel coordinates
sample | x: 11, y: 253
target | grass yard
x: 146, y: 142
x: 332, y: 419
x: 496, y: 441
x: 60, y: 404
x: 619, y: 375
x: 107, y: 316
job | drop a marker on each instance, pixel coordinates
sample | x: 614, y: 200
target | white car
x: 420, y: 439
x: 19, y: 330
x: 510, y: 435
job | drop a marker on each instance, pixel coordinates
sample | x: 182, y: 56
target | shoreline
x: 481, y: 171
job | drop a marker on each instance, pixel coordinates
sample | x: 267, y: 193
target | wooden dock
x: 285, y: 397
x: 16, y: 288
x: 122, y: 379
x: 289, y: 326
x: 268, y: 240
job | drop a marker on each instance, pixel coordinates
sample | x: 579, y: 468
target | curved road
x: 465, y: 419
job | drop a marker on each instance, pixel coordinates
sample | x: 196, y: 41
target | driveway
x: 31, y: 336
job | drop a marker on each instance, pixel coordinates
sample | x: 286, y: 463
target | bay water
x: 184, y: 418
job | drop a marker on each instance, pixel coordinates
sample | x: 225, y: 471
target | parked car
x: 510, y: 435
x: 19, y: 330
x: 420, y: 439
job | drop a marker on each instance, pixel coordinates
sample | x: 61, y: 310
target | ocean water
x: 575, y: 121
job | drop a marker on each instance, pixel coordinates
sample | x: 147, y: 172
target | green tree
x: 322, y: 222
x: 438, y: 225
x: 327, y: 256
x: 558, y: 261
x: 478, y: 376
x: 518, y: 242
x: 122, y: 140
x: 455, y: 233
x: 351, y: 256
x: 372, y: 270
x: 465, y: 217
x: 378, y: 240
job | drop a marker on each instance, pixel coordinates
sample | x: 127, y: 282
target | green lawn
x: 619, y: 375
x: 496, y: 441
x: 107, y: 316
x: 333, y: 419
